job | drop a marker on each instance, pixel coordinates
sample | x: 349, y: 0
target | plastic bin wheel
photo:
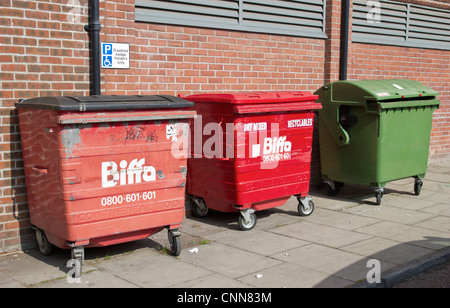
x: 305, y: 210
x: 175, y: 242
x: 418, y: 186
x: 378, y: 195
x: 333, y: 188
x: 200, y: 208
x: 45, y: 247
x: 247, y: 220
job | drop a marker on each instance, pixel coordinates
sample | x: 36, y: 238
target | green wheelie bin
x: 375, y: 131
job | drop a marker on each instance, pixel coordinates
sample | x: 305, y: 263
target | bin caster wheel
x: 175, y: 243
x: 378, y: 196
x: 333, y: 188
x: 305, y: 208
x: 418, y: 186
x: 45, y: 247
x: 200, y: 208
x: 247, y: 220
x: 78, y: 253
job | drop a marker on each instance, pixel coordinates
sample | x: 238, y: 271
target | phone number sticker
x: 128, y: 198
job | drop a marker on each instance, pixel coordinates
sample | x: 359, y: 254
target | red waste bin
x: 250, y: 152
x: 99, y: 169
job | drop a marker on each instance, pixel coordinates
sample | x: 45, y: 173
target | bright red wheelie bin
x: 250, y: 152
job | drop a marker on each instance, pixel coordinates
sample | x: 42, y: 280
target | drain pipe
x: 94, y: 28
x: 345, y: 20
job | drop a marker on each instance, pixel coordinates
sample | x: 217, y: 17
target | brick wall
x: 172, y: 60
x: 44, y: 52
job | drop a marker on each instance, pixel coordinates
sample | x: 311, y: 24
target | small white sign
x: 171, y: 132
x: 115, y: 55
x: 383, y: 94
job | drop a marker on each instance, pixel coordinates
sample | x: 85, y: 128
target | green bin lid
x: 374, y: 96
x: 380, y: 90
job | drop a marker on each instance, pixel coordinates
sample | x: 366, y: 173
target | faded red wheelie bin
x: 99, y: 169
x: 251, y: 152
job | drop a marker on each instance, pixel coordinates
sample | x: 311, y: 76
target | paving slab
x: 93, y: 279
x: 31, y: 268
x: 291, y: 275
x: 331, y: 261
x: 321, y: 234
x: 260, y: 242
x: 150, y: 269
x: 436, y: 168
x: 389, y: 213
x: 408, y: 201
x: 408, y: 234
x: 444, y: 164
x: 437, y: 176
x: 227, y: 260
x: 214, y: 280
x: 343, y: 219
x: 438, y: 223
x: 387, y: 250
x: 442, y: 210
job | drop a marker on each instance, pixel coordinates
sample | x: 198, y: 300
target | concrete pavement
x: 347, y: 239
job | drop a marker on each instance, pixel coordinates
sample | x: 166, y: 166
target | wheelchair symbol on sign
x: 107, y: 61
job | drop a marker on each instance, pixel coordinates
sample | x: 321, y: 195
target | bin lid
x: 380, y: 90
x: 253, y: 97
x: 105, y: 102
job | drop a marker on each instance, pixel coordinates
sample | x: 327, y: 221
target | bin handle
x: 331, y: 119
x: 40, y: 170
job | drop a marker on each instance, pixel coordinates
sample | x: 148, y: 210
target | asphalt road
x: 437, y: 277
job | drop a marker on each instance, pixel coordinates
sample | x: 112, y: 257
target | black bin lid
x: 105, y: 102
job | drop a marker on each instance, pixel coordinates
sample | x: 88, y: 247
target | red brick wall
x: 172, y: 60
x: 44, y: 51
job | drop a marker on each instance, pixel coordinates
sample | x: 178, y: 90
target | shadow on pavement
x: 378, y: 271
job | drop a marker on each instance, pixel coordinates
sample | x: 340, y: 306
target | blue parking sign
x: 107, y: 49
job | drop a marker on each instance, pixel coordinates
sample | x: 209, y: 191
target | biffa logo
x: 135, y: 173
x: 274, y: 146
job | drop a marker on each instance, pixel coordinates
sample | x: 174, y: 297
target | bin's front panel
x: 269, y: 158
x: 403, y: 143
x: 121, y: 177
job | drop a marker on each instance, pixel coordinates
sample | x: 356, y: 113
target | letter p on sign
x: 107, y: 49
